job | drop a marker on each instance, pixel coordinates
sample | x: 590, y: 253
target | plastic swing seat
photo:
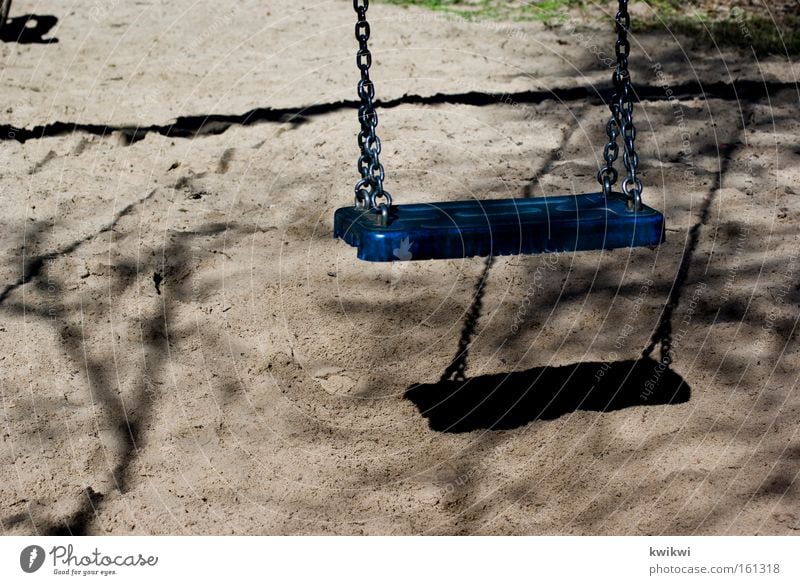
x: 383, y: 232
x: 499, y: 227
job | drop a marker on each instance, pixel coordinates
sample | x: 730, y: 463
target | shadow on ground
x: 508, y: 401
x: 29, y: 29
x: 124, y: 399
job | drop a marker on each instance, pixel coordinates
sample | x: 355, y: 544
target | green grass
x: 547, y: 11
x: 740, y: 30
x: 747, y: 33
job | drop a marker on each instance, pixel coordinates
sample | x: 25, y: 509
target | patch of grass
x: 667, y: 7
x: 707, y: 21
x: 547, y: 11
x: 740, y: 31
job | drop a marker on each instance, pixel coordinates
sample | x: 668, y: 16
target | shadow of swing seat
x: 512, y: 400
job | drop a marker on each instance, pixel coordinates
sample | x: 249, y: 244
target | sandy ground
x: 185, y: 350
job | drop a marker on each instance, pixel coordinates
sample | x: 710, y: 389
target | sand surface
x: 185, y: 350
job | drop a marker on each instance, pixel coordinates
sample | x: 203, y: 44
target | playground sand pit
x: 184, y: 348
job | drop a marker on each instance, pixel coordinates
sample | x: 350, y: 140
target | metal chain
x: 621, y: 121
x: 369, y: 189
x: 663, y: 336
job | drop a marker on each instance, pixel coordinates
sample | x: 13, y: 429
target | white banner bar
x: 400, y: 560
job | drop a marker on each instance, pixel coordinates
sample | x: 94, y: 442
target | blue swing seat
x: 499, y: 227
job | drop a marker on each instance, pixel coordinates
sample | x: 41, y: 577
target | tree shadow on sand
x: 124, y: 396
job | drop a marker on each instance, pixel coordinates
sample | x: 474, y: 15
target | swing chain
x: 621, y: 121
x: 369, y: 189
x: 663, y: 336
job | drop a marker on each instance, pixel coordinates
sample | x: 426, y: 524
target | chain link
x: 369, y: 190
x: 663, y: 337
x: 621, y: 121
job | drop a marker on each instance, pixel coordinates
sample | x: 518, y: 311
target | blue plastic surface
x: 499, y: 227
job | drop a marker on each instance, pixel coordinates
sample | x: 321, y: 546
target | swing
x: 384, y: 232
